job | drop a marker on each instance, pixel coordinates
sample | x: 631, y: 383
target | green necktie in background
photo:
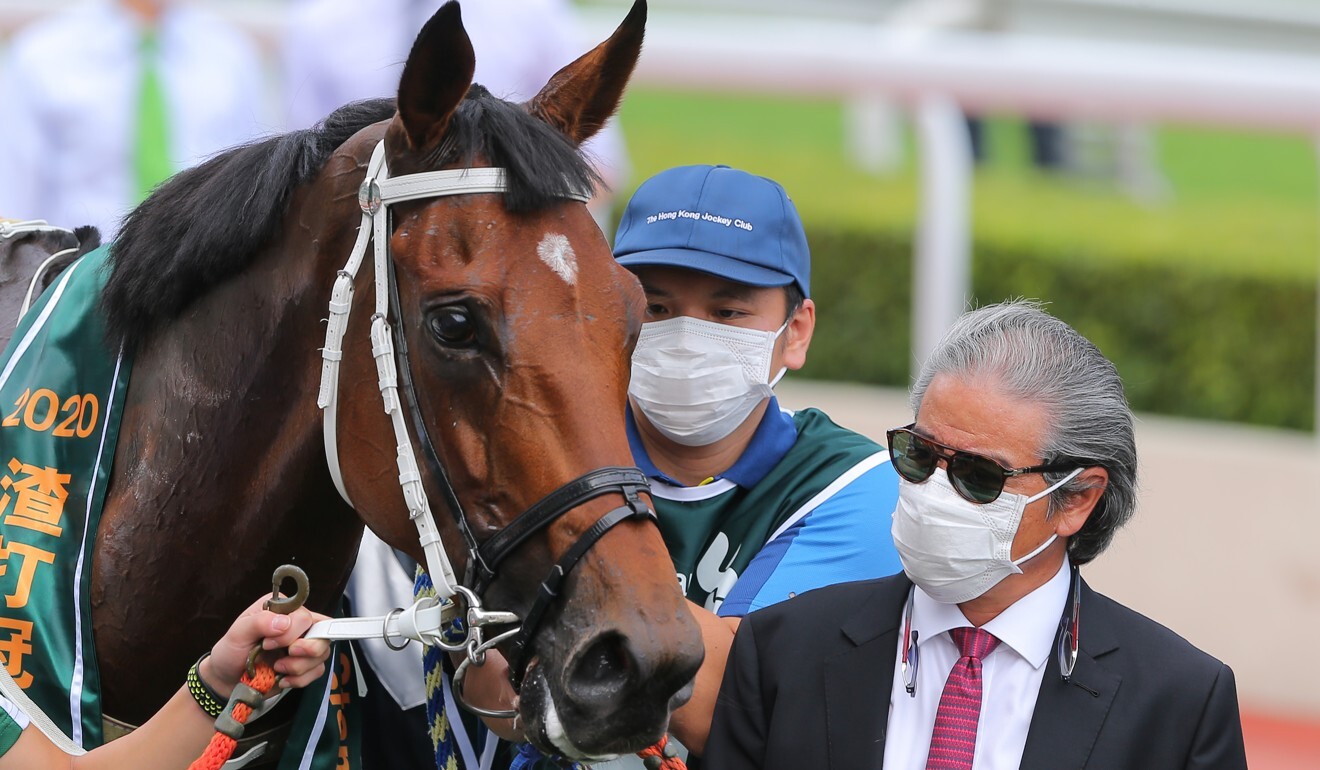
x: 151, y: 150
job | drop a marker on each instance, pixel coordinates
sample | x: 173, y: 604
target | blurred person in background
x: 338, y: 51
x: 1046, y: 141
x: 990, y: 651
x: 107, y: 98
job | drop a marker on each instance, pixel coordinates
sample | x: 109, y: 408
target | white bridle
x: 423, y: 621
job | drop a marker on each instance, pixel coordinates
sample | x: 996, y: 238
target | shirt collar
x: 640, y: 457
x: 1028, y: 626
x: 774, y: 436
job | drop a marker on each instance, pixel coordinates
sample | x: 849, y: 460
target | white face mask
x: 954, y: 549
x: 696, y: 381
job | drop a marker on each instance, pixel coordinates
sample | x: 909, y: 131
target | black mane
x: 207, y: 223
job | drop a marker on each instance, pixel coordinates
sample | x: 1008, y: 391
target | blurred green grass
x: 1240, y: 203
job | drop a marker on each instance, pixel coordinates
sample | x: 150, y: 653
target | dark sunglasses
x: 975, y: 477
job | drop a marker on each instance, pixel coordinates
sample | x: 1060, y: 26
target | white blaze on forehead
x: 555, y: 251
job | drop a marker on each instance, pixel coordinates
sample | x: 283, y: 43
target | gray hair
x: 1034, y: 356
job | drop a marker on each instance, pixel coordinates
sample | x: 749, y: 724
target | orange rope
x: 660, y: 757
x: 222, y: 746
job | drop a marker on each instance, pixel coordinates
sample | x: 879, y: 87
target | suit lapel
x: 859, y: 679
x: 1069, y: 715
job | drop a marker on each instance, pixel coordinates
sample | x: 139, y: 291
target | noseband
x: 427, y: 620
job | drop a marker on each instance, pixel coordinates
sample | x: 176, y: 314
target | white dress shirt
x: 68, y: 107
x: 1011, y: 676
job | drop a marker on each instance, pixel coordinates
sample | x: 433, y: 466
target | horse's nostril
x: 615, y: 692
x: 602, y: 669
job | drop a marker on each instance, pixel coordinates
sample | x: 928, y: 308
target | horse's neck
x: 219, y: 476
x: 225, y: 400
x: 237, y: 370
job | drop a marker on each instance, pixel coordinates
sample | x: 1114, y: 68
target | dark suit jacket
x: 808, y: 682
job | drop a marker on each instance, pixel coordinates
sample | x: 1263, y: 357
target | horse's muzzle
x: 613, y: 695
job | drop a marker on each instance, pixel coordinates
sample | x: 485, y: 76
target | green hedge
x: 1190, y: 343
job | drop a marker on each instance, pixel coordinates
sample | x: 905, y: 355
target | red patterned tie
x: 953, y: 743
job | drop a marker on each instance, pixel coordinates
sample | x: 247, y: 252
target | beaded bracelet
x: 207, y: 698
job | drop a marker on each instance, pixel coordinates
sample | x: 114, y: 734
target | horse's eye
x: 453, y: 326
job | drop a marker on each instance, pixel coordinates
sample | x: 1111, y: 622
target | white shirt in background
x: 68, y: 113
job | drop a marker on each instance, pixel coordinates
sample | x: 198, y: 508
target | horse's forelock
x: 542, y: 164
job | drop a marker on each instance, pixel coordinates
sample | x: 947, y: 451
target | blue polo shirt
x: 771, y: 441
x: 807, y: 504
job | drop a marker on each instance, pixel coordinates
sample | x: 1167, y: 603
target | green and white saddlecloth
x: 62, y: 387
x: 62, y: 390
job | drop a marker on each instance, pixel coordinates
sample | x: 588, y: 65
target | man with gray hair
x: 989, y: 651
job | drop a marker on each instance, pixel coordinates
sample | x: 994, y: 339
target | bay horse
x: 519, y: 327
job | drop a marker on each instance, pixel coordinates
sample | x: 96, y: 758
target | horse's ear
x: 435, y: 78
x: 582, y: 96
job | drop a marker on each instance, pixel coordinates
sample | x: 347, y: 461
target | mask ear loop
x: 1055, y: 485
x: 783, y: 369
x: 1041, y: 548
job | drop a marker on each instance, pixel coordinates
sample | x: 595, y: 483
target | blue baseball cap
x: 717, y: 220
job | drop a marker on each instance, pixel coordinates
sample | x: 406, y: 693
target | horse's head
x: 518, y: 326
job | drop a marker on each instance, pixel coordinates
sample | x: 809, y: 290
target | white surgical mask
x: 954, y: 549
x: 696, y: 381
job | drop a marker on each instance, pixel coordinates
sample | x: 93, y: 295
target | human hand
x: 301, y: 664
